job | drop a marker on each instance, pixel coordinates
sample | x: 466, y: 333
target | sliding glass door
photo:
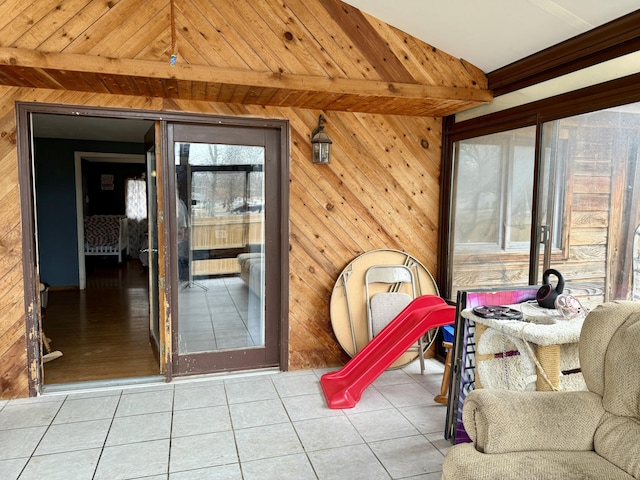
x: 228, y: 248
x: 569, y: 202
x: 594, y: 199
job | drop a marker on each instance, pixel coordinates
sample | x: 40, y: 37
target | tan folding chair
x: 383, y: 306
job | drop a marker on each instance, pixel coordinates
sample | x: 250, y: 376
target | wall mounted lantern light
x: 320, y: 144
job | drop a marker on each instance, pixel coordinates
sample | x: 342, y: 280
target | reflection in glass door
x: 493, y: 205
x: 595, y: 189
x: 221, y: 207
x: 220, y: 243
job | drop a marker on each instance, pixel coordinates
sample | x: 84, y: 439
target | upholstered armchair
x: 592, y: 434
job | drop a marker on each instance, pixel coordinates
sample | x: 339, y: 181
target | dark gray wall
x: 56, y: 204
x: 108, y: 202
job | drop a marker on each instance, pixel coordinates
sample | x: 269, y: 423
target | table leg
x: 443, y: 398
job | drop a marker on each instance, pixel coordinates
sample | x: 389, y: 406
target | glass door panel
x: 220, y: 247
x: 151, y: 249
x: 551, y: 203
x: 587, y: 212
x: 223, y: 256
x: 150, y: 252
x: 492, y: 209
x: 595, y: 190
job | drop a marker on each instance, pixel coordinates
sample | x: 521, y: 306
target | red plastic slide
x: 343, y: 388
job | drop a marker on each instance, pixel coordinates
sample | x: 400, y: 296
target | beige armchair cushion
x: 618, y: 440
x: 618, y: 437
x: 465, y: 462
x: 622, y: 371
x: 595, y: 338
x: 514, y: 421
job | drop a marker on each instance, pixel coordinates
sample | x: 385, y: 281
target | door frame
x: 92, y: 157
x: 24, y: 141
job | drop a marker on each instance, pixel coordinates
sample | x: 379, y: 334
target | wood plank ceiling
x: 319, y: 55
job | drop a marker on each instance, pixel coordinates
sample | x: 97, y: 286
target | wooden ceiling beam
x: 30, y: 68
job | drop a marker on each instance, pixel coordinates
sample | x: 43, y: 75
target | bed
x: 105, y: 235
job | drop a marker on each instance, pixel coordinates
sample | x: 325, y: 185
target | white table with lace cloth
x: 539, y: 352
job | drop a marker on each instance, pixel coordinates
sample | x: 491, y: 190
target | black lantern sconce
x: 320, y: 144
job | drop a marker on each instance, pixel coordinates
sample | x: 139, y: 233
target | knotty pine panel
x: 137, y: 45
x: 325, y: 38
x: 365, y: 38
x: 410, y: 173
x: 47, y: 22
x: 13, y: 352
x: 23, y: 21
x: 419, y: 61
x: 13, y: 348
x: 381, y: 191
x: 338, y: 52
x: 99, y: 24
x: 130, y: 35
x: 314, y: 213
x: 359, y: 202
x: 298, y: 37
x: 229, y: 44
x: 14, y: 382
x: 316, y: 239
x: 82, y: 15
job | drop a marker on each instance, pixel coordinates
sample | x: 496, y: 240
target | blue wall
x: 56, y: 204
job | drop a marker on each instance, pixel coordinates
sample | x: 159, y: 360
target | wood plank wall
x: 380, y: 191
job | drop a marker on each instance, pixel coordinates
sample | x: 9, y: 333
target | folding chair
x: 382, y: 307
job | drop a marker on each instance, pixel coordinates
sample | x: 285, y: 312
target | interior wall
x: 105, y: 201
x: 56, y: 202
x: 380, y: 191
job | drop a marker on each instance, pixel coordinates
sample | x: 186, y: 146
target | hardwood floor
x: 103, y: 332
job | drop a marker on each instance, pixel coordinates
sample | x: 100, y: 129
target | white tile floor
x: 222, y: 315
x: 251, y: 427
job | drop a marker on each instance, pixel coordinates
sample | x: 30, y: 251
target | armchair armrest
x: 501, y: 421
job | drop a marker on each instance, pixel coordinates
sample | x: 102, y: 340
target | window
x: 225, y: 179
x: 136, y: 199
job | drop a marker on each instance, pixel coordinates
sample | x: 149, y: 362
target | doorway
x: 97, y: 308
x: 147, y: 281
